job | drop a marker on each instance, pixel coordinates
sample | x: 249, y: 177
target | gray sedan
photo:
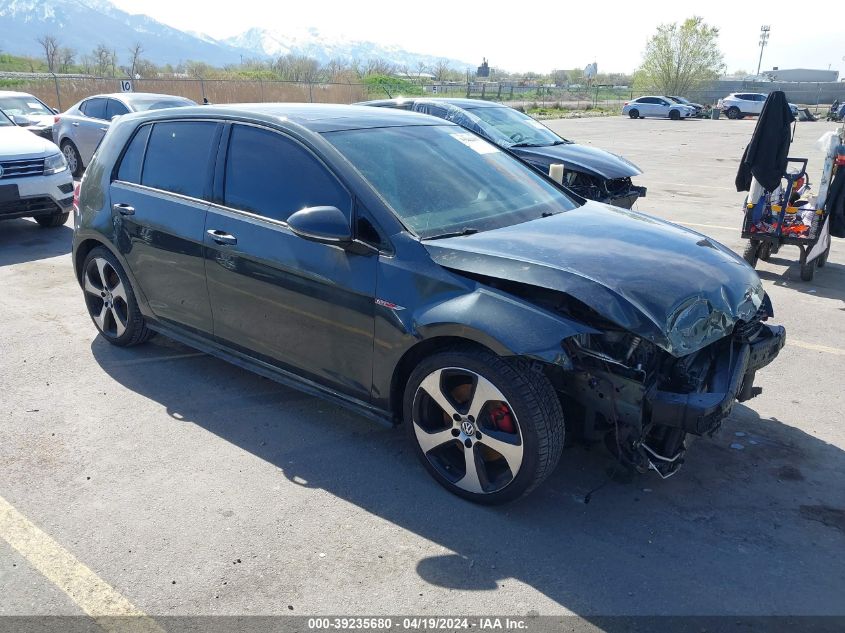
x: 79, y: 130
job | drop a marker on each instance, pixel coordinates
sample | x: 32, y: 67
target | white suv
x: 740, y: 104
x: 34, y: 179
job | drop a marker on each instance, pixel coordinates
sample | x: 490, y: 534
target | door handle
x: 123, y: 209
x: 221, y: 237
x: 104, y: 129
x: 75, y: 124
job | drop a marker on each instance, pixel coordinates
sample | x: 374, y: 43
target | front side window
x: 441, y: 179
x: 274, y: 176
x: 179, y: 157
x: 115, y: 108
x: 94, y: 108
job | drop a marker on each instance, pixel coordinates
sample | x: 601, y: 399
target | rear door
x: 159, y: 202
x: 89, y: 129
x: 299, y: 305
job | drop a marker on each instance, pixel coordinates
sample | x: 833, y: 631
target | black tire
x: 808, y: 271
x: 674, y: 115
x: 74, y: 160
x: 52, y: 221
x: 821, y: 260
x: 122, y: 323
x: 733, y: 113
x: 634, y: 113
x: 765, y: 251
x: 528, y: 397
x: 751, y: 252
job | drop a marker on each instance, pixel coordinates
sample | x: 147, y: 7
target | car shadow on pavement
x: 828, y: 281
x: 753, y: 524
x: 25, y: 241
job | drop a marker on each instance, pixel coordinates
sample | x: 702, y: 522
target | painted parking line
x: 107, y: 607
x: 710, y: 226
x: 816, y: 348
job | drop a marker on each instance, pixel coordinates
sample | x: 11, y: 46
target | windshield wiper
x: 464, y: 231
x: 526, y: 144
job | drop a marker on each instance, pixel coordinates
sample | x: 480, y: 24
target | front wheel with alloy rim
x: 110, y: 300
x: 674, y: 115
x: 74, y: 160
x: 489, y: 429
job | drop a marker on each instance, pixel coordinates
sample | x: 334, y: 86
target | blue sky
x: 520, y: 36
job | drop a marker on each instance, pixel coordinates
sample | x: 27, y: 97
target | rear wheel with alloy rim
x: 634, y: 113
x: 110, y: 300
x: 488, y: 429
x: 74, y: 161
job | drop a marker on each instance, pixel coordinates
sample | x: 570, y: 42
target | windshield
x: 4, y: 120
x: 23, y: 105
x: 518, y: 128
x: 157, y: 103
x: 442, y: 179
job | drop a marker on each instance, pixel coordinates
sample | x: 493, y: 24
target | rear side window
x: 274, y: 176
x: 179, y: 156
x: 115, y: 108
x: 95, y: 108
x: 133, y: 157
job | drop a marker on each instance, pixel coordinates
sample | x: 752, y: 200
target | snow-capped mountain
x: 83, y: 24
x: 312, y: 43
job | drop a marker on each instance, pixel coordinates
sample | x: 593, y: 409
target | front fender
x: 503, y: 323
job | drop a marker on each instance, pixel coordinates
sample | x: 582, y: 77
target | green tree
x: 679, y: 57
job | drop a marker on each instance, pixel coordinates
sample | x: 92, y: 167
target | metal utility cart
x: 814, y: 245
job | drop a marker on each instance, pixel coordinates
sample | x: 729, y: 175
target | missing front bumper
x: 701, y: 413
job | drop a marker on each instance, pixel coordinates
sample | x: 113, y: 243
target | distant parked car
x: 661, y: 107
x: 28, y: 111
x: 588, y: 171
x: 698, y: 107
x: 79, y: 130
x: 740, y: 104
x: 34, y: 178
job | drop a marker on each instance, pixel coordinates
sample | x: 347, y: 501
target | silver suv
x: 34, y: 179
x: 80, y: 129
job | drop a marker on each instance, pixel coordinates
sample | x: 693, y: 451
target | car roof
x: 317, y: 117
x: 131, y: 96
x: 12, y: 93
x: 466, y: 104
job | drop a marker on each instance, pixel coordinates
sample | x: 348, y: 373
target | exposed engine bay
x: 620, y: 192
x: 639, y: 399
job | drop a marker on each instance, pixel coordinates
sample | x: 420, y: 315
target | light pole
x: 764, y: 39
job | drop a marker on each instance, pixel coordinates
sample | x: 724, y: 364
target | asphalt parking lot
x: 159, y: 480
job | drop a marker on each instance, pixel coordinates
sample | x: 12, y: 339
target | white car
x: 740, y: 104
x: 28, y: 111
x: 654, y: 106
x: 34, y: 179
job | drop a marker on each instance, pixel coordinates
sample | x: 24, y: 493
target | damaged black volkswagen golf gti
x: 405, y: 267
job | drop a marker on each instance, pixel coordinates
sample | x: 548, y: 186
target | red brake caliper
x: 502, y: 419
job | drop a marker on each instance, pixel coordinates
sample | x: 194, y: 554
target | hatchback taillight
x: 76, y: 198
x: 56, y: 119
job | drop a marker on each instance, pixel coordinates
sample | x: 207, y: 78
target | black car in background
x: 590, y: 172
x: 411, y: 270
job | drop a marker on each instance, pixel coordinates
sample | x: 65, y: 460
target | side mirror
x: 327, y: 225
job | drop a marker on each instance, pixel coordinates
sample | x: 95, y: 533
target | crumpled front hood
x: 675, y: 287
x: 592, y: 160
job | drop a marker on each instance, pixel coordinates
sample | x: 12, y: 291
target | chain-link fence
x: 62, y: 91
